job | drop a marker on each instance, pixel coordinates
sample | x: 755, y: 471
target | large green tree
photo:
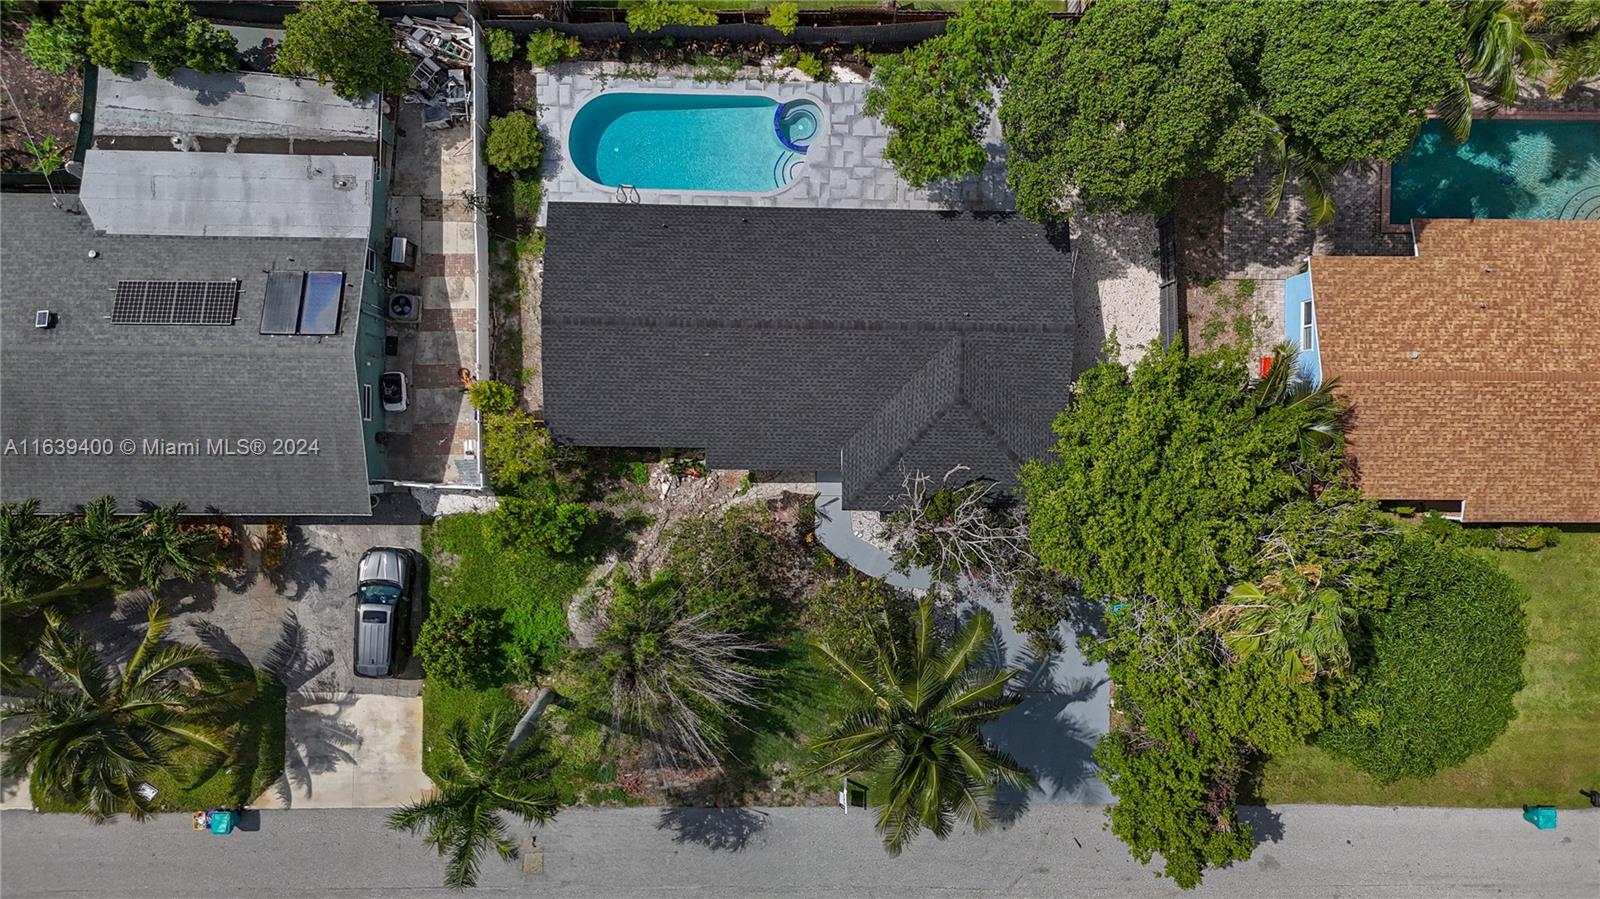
x: 1163, y: 476
x: 1135, y: 98
x: 911, y: 731
x: 90, y: 734
x: 163, y: 33
x: 1141, y: 95
x: 937, y: 96
x: 344, y: 42
x: 1442, y: 665
x: 482, y: 775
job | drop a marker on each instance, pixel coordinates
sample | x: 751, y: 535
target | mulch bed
x: 42, y: 102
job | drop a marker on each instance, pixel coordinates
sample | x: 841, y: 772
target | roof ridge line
x: 805, y: 324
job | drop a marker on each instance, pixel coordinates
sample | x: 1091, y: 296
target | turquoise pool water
x: 687, y: 141
x: 1507, y: 169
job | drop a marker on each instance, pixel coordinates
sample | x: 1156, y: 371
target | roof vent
x: 44, y: 318
x: 344, y: 182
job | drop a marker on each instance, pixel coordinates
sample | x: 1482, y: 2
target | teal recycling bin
x: 1540, y: 816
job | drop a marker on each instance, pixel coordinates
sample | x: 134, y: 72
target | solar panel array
x: 175, y: 302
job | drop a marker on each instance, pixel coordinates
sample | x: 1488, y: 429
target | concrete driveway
x: 351, y: 742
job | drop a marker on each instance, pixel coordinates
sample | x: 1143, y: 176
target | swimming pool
x: 699, y: 141
x: 1507, y: 169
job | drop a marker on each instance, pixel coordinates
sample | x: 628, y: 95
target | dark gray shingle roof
x: 815, y: 339
x: 89, y: 378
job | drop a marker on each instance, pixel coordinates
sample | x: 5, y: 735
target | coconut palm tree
x: 91, y: 735
x: 1292, y: 619
x: 1319, y: 410
x: 1498, y: 47
x: 31, y: 555
x: 912, y: 730
x: 1288, y: 160
x: 483, y: 775
x: 1578, y: 58
x: 165, y: 549
x: 101, y: 542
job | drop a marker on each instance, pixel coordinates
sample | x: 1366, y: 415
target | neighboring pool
x: 712, y: 142
x: 1507, y: 169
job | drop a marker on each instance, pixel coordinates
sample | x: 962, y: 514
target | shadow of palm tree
x: 304, y: 566
x: 721, y: 829
x: 317, y: 739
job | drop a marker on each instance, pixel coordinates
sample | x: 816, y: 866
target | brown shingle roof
x: 1474, y: 366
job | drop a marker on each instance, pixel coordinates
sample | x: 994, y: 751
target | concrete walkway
x: 1056, y: 850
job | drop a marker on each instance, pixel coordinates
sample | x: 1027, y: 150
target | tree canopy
x: 1163, y: 476
x: 163, y: 33
x: 937, y: 97
x: 1139, y: 96
x: 345, y: 43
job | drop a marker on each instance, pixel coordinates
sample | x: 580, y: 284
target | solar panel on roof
x: 280, y: 313
x: 324, y: 294
x: 175, y: 302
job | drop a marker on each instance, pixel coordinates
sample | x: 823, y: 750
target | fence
x: 903, y: 33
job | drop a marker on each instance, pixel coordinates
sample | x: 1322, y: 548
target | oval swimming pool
x: 692, y: 141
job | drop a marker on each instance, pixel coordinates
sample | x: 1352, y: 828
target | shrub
x: 514, y: 144
x: 1039, y: 603
x: 785, y: 17
x: 812, y: 67
x: 843, y: 612
x: 1452, y: 533
x: 526, y: 192
x: 344, y: 43
x: 523, y: 461
x: 493, y: 397
x: 536, y: 635
x: 546, y: 48
x: 654, y: 15
x: 501, y: 44
x: 57, y: 45
x: 163, y: 33
x: 639, y: 472
x: 557, y: 528
x: 1444, y: 664
x: 729, y: 568
x: 457, y: 647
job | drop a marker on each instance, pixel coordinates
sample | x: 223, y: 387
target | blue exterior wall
x: 1296, y: 291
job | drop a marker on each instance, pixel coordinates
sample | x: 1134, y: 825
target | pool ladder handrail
x: 627, y: 193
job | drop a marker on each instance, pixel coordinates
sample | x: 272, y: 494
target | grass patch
x: 1548, y: 752
x: 800, y: 702
x: 469, y: 571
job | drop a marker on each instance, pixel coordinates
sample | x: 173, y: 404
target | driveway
x: 350, y: 741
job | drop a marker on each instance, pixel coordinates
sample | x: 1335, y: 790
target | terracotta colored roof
x: 1474, y: 366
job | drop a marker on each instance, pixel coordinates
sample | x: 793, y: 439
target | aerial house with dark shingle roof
x: 1471, y: 367
x: 871, y: 343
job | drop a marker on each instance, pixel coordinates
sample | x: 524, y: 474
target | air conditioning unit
x: 402, y: 253
x: 404, y: 307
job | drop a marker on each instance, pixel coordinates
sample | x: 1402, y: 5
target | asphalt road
x: 1055, y: 849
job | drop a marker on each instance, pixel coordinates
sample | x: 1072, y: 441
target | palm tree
x: 91, y: 736
x: 1291, y: 619
x: 30, y: 550
x: 483, y: 775
x: 1579, y: 57
x: 101, y: 542
x: 1319, y: 410
x: 1497, y: 48
x: 1288, y: 159
x: 165, y: 548
x: 912, y: 731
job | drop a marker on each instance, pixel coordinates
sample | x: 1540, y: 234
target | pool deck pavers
x: 844, y: 168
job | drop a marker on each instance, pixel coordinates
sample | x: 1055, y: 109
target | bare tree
x: 955, y: 528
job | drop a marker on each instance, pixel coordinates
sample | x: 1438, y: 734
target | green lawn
x: 1550, y: 750
x: 799, y: 702
x: 468, y: 570
x: 198, y: 779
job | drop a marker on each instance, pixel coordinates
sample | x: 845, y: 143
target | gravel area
x: 1116, y: 285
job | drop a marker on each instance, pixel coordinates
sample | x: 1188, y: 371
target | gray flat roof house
x: 203, y: 322
x: 872, y: 343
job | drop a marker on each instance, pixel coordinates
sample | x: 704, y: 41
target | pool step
x: 786, y: 168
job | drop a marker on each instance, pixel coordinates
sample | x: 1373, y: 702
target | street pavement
x: 1054, y: 849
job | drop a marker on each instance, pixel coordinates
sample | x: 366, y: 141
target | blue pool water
x: 689, y: 141
x: 1507, y: 169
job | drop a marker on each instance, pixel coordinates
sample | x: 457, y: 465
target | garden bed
x: 35, y: 103
x: 1548, y: 752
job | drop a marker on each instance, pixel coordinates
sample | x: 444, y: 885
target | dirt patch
x: 35, y: 103
x: 1226, y: 313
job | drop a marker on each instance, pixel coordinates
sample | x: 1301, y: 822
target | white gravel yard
x: 1116, y: 284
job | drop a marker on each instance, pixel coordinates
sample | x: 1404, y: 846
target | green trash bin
x: 1540, y: 816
